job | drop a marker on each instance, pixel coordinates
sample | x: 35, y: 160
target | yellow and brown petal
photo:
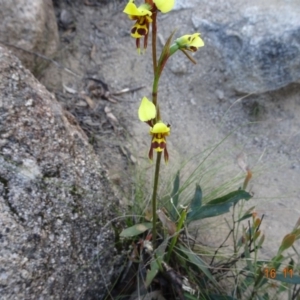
x: 190, y: 42
x: 139, y: 30
x: 160, y: 128
x: 133, y: 11
x: 159, y: 144
x: 158, y: 131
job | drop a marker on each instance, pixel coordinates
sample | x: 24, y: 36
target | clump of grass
x: 183, y: 267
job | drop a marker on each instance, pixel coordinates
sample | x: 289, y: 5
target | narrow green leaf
x: 175, y: 197
x: 197, y: 199
x: 195, y: 204
x: 135, y: 229
x: 161, y: 250
x: 218, y: 206
x: 198, y: 262
x: 164, y: 56
x: 232, y: 197
x: 248, y: 259
x: 247, y: 214
x: 277, y: 260
x: 208, y: 211
x: 175, y: 191
x: 244, y: 217
x: 154, y: 268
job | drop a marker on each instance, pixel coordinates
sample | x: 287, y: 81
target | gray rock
x: 261, y: 49
x: 66, y: 19
x: 219, y: 94
x: 179, y: 66
x: 55, y: 198
x: 182, y: 4
x: 30, y: 25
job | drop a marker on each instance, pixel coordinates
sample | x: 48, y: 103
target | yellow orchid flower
x: 142, y: 15
x: 164, y: 5
x: 190, y: 42
x: 158, y: 131
x: 133, y: 11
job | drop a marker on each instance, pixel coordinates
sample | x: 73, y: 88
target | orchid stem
x: 155, y: 186
x: 154, y: 100
x: 154, y: 34
x: 154, y: 97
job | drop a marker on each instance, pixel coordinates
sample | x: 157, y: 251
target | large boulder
x: 29, y: 25
x: 55, y: 199
x: 260, y: 46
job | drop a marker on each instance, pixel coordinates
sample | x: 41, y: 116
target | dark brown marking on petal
x: 142, y: 31
x: 166, y: 155
x: 193, y: 49
x: 150, y: 154
x: 161, y: 145
x: 155, y: 145
x: 133, y: 30
x: 150, y: 123
x: 146, y: 41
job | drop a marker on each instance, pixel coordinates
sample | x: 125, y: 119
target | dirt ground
x: 194, y: 99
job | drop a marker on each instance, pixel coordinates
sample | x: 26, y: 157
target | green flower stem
x: 174, y: 239
x: 173, y: 48
x: 165, y: 55
x: 155, y: 186
x: 154, y: 34
x: 154, y: 100
x: 154, y: 97
x: 157, y: 72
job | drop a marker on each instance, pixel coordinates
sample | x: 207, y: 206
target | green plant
x: 161, y: 248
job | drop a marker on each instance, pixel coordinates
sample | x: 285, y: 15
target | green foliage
x: 155, y: 265
x: 135, y: 230
x: 215, y: 207
x: 175, y: 198
x: 243, y: 273
x: 196, y: 260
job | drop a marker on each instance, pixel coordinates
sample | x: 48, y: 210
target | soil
x: 194, y: 99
